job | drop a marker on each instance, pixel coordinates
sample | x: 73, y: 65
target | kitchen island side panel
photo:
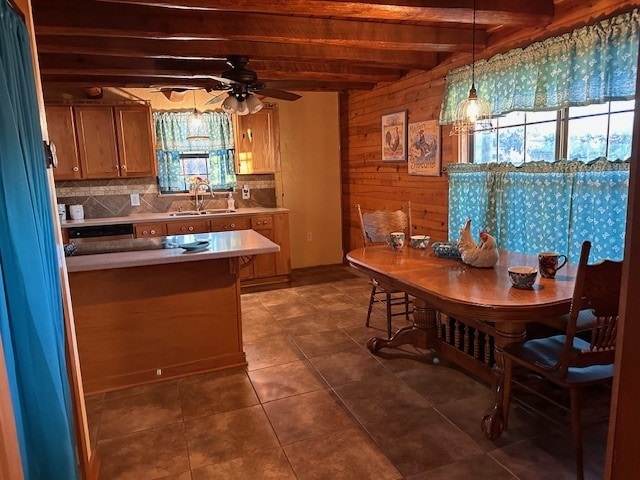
x: 148, y: 323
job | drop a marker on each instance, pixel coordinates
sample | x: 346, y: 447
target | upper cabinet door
x: 97, y: 141
x: 62, y: 133
x: 258, y: 142
x: 135, y: 141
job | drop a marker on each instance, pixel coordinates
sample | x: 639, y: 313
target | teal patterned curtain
x: 543, y: 206
x: 593, y: 64
x: 175, y: 135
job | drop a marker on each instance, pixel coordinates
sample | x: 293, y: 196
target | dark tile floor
x: 313, y: 403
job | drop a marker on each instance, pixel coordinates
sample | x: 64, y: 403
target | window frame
x: 563, y: 118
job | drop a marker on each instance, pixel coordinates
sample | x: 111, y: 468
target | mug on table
x: 396, y: 241
x: 549, y: 263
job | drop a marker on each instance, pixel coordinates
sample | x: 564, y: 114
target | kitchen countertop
x: 151, y: 217
x: 162, y: 250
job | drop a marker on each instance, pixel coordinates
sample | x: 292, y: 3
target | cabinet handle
x: 75, y: 169
x: 191, y: 229
x: 123, y: 167
x: 183, y: 229
x: 233, y: 225
x: 144, y: 232
x: 153, y: 232
x: 116, y: 167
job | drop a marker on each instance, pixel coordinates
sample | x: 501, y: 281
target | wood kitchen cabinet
x: 258, y: 141
x: 61, y: 126
x: 102, y: 141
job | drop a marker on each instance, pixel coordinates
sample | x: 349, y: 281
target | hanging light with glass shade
x: 196, y: 123
x: 473, y: 112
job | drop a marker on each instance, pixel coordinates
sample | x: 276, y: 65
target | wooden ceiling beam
x: 488, y: 12
x: 210, y: 50
x: 80, y: 80
x: 267, y: 70
x: 57, y: 17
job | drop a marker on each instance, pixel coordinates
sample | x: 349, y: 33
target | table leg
x: 421, y: 334
x: 497, y: 421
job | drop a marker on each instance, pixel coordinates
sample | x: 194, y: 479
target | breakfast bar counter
x: 151, y: 309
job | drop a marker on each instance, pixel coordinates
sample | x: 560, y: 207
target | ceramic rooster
x: 484, y: 254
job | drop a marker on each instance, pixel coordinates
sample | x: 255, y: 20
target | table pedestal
x: 422, y: 334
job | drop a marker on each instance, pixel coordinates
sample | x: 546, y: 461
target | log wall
x: 376, y: 185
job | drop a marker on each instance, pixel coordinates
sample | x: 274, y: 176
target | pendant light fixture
x: 473, y: 112
x: 196, y: 123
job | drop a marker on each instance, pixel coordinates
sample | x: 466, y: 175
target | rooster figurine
x: 484, y: 254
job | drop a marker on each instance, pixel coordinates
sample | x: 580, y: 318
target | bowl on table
x: 522, y: 276
x: 419, y: 241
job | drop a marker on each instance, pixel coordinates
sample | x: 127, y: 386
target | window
x: 580, y: 133
x: 194, y: 167
x: 184, y: 154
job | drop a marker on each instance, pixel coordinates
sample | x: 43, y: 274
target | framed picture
x: 424, y: 148
x: 394, y: 137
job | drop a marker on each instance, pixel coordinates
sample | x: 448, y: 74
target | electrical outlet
x: 309, y: 237
x: 135, y: 199
x: 246, y: 193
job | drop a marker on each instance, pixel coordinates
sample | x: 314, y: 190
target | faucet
x: 198, y: 199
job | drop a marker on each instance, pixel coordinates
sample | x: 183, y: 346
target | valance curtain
x: 31, y: 319
x: 214, y: 136
x: 543, y: 206
x: 593, y: 64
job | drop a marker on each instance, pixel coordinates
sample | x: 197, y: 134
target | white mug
x: 76, y: 212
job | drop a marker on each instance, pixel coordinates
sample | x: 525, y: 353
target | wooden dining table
x: 466, y: 314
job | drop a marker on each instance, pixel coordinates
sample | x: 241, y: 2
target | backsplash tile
x: 111, y: 198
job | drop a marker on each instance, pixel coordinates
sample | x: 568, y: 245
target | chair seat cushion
x: 546, y: 351
x: 586, y: 321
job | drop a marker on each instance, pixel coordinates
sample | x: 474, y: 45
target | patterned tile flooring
x: 313, y: 403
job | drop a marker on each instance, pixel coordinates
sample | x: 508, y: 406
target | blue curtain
x: 175, y: 134
x: 592, y: 64
x: 543, y: 206
x: 31, y: 319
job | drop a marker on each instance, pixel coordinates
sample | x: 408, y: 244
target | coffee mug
x: 396, y: 241
x: 548, y: 263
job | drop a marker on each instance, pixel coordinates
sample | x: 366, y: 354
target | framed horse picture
x: 394, y: 137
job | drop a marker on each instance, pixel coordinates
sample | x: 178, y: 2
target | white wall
x: 309, y: 181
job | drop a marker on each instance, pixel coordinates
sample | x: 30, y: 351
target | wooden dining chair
x: 376, y: 226
x: 566, y: 360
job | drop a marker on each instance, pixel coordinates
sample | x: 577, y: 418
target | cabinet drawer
x: 262, y: 222
x: 233, y: 223
x: 187, y: 227
x: 150, y: 230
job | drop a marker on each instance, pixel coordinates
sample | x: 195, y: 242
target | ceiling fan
x: 240, y: 85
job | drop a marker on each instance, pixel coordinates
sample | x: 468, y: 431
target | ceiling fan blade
x: 279, y: 94
x: 217, y: 98
x: 223, y: 80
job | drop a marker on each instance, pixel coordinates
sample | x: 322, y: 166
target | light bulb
x: 472, y: 110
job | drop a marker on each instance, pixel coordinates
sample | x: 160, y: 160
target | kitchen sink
x: 192, y: 213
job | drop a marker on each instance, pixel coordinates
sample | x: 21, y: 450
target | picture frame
x: 423, y: 145
x: 394, y: 137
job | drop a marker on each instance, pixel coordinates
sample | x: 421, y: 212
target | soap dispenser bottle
x: 231, y: 203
